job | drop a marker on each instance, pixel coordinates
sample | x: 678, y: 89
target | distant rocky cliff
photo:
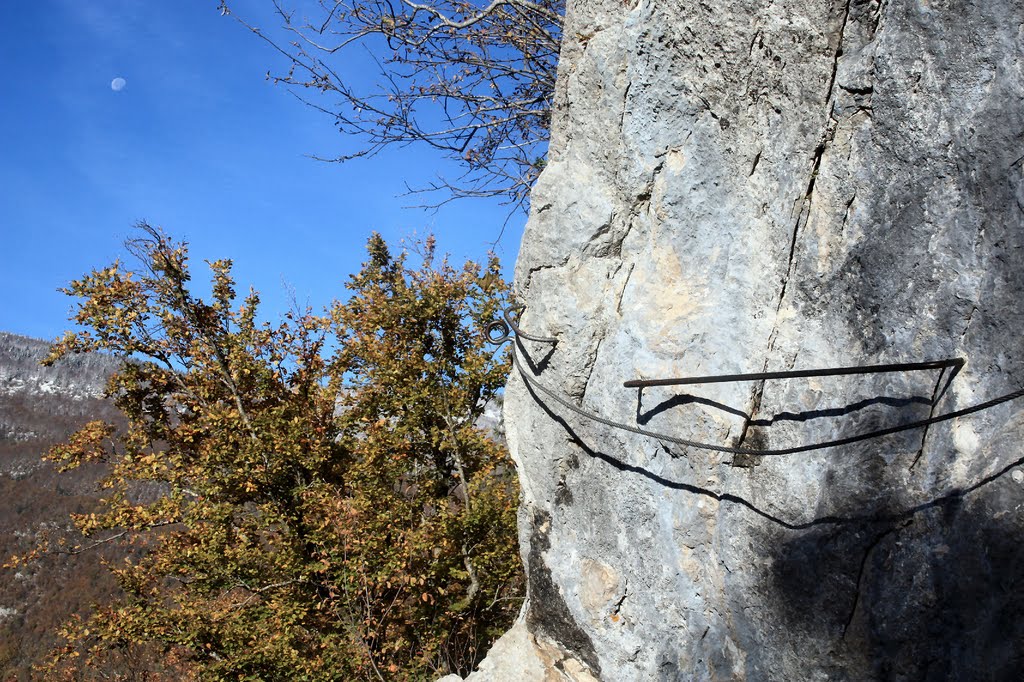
x: 77, y: 377
x: 40, y: 406
x: 744, y: 186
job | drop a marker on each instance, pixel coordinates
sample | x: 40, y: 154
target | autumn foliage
x: 307, y: 500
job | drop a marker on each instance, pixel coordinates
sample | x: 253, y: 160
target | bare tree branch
x: 472, y: 79
x: 111, y: 538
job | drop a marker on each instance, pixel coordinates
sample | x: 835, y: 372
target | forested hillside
x: 39, y: 407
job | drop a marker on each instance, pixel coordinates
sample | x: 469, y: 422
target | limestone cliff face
x: 743, y: 186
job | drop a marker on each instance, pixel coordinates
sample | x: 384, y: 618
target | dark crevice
x: 863, y: 564
x: 753, y: 41
x: 625, y: 105
x: 622, y: 291
x: 538, y: 268
x: 940, y: 389
x: 846, y: 214
x: 759, y: 440
x: 755, y: 405
x: 819, y: 151
x: 854, y: 90
x: 801, y: 217
x: 838, y: 53
x: 967, y: 324
x: 618, y: 604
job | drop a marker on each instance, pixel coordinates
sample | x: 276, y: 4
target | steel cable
x: 592, y: 416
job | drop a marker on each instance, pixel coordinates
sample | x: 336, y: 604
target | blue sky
x: 198, y: 142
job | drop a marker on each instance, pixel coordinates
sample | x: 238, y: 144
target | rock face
x: 745, y: 186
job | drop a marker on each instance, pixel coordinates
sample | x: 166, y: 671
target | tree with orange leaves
x: 306, y: 500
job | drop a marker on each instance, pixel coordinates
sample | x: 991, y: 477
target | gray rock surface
x: 742, y: 186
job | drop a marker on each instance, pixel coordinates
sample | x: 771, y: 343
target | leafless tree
x: 473, y: 79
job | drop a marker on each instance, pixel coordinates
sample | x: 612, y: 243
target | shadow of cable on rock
x: 934, y: 595
x: 643, y: 416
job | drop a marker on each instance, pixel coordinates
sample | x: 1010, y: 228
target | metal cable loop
x: 500, y: 331
x: 537, y: 386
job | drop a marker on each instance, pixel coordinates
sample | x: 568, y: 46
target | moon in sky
x: 117, y: 85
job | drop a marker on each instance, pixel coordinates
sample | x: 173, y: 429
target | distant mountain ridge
x: 46, y: 404
x: 40, y: 407
x: 80, y: 376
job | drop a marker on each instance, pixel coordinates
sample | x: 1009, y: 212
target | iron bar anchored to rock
x: 499, y: 332
x: 955, y: 363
